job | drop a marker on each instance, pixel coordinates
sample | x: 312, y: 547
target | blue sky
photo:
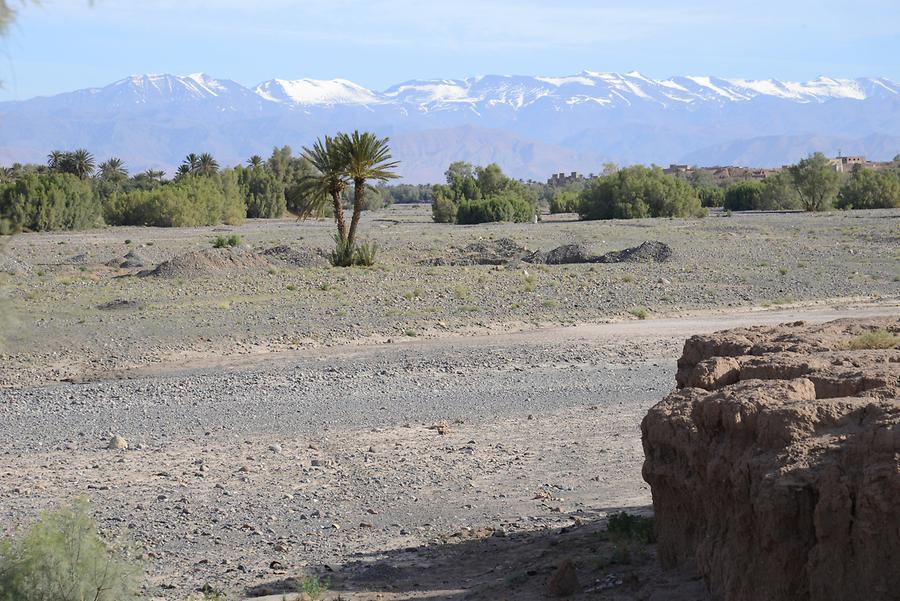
x: 63, y: 45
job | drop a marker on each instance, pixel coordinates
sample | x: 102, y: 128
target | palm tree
x: 365, y: 157
x: 182, y: 171
x: 207, y: 165
x: 328, y: 184
x: 82, y: 163
x: 191, y: 162
x: 113, y: 169
x: 255, y: 160
x: 55, y: 159
x: 154, y: 175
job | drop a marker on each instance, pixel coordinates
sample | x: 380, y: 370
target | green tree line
x: 73, y: 191
x: 810, y: 185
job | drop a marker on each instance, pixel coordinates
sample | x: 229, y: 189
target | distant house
x: 561, y: 179
x: 674, y: 169
x: 846, y: 164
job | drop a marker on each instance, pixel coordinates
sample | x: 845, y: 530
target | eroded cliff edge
x: 775, y: 465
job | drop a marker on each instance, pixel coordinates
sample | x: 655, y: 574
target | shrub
x: 744, y: 196
x: 640, y: 313
x: 637, y: 192
x: 345, y: 255
x: 342, y: 255
x: 444, y: 209
x: 505, y: 206
x: 263, y: 192
x: 62, y: 558
x: 868, y: 189
x: 564, y: 201
x: 364, y: 254
x: 779, y: 193
x: 630, y: 534
x: 311, y: 587
x: 711, y: 196
x: 632, y: 527
x: 529, y: 283
x: 876, y: 339
x: 227, y: 242
x: 190, y: 202
x: 49, y: 201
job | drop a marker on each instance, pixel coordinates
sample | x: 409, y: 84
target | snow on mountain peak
x: 516, y: 92
x: 316, y: 92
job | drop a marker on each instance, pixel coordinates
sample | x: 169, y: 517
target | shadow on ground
x: 517, y: 566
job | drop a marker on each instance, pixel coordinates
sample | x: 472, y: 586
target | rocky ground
x: 410, y: 431
x: 81, y: 308
x: 383, y: 468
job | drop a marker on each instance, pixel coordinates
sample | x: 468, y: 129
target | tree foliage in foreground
x: 63, y: 558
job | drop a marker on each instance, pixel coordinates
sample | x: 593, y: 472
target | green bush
x: 345, y: 255
x: 505, y: 206
x: 875, y: 339
x: 711, y: 196
x: 192, y: 201
x: 639, y: 191
x: 50, y: 201
x: 364, y: 254
x: 744, y: 196
x: 263, y: 192
x: 227, y: 241
x: 63, y: 558
x: 443, y: 209
x: 631, y: 527
x: 779, y: 193
x: 564, y: 201
x: 868, y: 189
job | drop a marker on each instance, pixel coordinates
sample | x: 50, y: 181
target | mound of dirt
x: 210, y: 262
x: 562, y: 255
x: 774, y: 467
x: 130, y: 261
x: 483, y: 252
x: 296, y: 257
x: 648, y: 252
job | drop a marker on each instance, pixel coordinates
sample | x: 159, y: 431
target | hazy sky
x: 63, y: 45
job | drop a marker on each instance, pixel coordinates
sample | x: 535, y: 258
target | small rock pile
x: 483, y: 252
x: 295, y: 257
x: 209, y: 262
x: 648, y: 252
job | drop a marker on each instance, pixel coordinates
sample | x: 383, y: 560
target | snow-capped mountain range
x: 532, y: 126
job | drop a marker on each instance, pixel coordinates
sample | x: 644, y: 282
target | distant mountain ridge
x: 531, y: 125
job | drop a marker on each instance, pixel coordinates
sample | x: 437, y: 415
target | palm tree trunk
x: 359, y: 193
x: 339, y: 217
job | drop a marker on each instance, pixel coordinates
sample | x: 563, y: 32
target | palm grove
x: 72, y: 191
